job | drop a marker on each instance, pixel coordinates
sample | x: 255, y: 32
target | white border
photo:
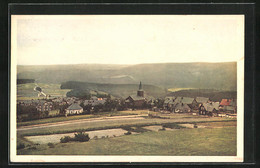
x: 72, y: 158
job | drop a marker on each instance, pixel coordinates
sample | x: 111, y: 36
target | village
x: 66, y: 106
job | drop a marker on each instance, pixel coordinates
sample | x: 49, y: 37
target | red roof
x: 225, y: 102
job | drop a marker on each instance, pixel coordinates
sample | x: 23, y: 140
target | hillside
x: 118, y: 90
x: 167, y: 75
x: 214, y: 95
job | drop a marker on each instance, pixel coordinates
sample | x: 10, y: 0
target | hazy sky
x: 125, y: 39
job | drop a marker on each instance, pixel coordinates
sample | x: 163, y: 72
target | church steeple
x: 140, y: 92
x: 140, y: 86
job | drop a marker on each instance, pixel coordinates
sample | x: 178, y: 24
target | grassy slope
x: 188, y: 142
x: 26, y: 91
x: 169, y: 75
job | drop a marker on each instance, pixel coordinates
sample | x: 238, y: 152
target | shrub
x: 20, y: 146
x: 65, y: 139
x: 128, y: 133
x: 162, y: 129
x: 81, y: 137
x: 51, y: 145
x: 32, y: 148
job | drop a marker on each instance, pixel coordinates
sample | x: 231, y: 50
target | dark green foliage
x: 51, y: 145
x: 27, y: 113
x: 163, y: 129
x: 118, y: 90
x: 214, y: 95
x: 65, y: 139
x: 80, y: 93
x: 172, y: 126
x: 63, y: 109
x: 136, y: 129
x: 20, y: 146
x: 81, y: 137
x: 23, y: 81
x: 128, y: 133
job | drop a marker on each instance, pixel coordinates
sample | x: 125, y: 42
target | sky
x: 126, y: 39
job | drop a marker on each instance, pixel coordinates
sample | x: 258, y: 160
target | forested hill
x: 214, y: 95
x: 165, y: 75
x: 118, y: 90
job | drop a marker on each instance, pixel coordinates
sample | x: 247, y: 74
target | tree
x: 63, y: 108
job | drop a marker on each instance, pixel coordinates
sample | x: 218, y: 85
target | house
x: 228, y: 105
x: 94, y: 102
x: 225, y: 102
x: 74, y: 109
x: 209, y: 108
x: 189, y: 101
x: 168, y: 103
x: 138, y: 100
x: 201, y: 100
x: 151, y: 103
x: 44, y: 106
x: 177, y: 100
x: 182, y: 108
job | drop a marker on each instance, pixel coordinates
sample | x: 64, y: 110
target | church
x: 138, y: 100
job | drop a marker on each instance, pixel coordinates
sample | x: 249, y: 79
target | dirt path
x: 115, y: 118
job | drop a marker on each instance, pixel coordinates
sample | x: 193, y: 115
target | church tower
x: 140, y: 92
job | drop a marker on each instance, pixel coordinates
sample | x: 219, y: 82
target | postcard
x: 127, y: 88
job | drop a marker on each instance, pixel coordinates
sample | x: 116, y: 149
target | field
x: 26, y: 91
x: 77, y: 117
x: 98, y: 124
x: 182, y: 142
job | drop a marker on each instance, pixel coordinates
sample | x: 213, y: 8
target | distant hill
x: 214, y: 95
x: 167, y: 75
x: 117, y: 90
x: 23, y: 81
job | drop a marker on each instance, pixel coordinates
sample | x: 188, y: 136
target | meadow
x: 181, y: 142
x: 26, y: 91
x: 78, y: 117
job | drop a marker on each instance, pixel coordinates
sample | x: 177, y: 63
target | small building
x: 182, y: 108
x: 209, y: 108
x: 74, y: 109
x: 168, y: 103
x: 177, y: 100
x: 228, y: 105
x: 95, y: 102
x: 44, y: 106
x: 201, y: 100
x: 191, y: 102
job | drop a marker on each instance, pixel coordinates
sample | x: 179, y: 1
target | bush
x: 81, y: 137
x: 65, y: 139
x: 51, y: 145
x: 20, y: 146
x: 128, y: 133
x: 162, y: 129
